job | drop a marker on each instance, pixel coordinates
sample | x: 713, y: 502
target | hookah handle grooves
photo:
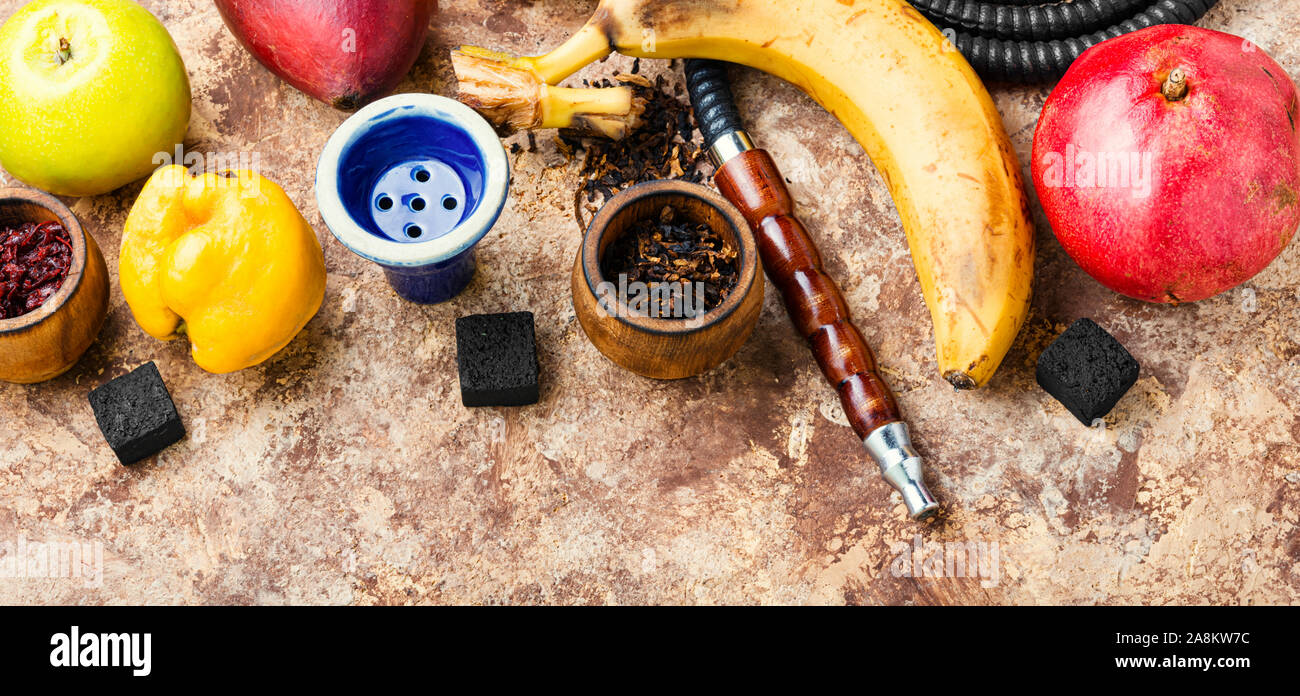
x: 749, y: 178
x: 753, y: 184
x: 751, y: 181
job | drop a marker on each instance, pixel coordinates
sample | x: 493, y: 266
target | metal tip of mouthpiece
x: 891, y: 446
x: 729, y: 145
x: 921, y: 504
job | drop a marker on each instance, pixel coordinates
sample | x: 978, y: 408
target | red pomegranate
x: 1168, y: 162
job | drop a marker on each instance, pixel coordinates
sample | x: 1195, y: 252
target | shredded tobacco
x: 671, y: 249
x: 667, y: 145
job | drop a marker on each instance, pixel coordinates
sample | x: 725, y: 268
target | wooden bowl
x: 667, y: 348
x: 45, y: 343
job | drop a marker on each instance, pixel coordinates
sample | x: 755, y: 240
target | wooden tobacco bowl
x: 46, y: 342
x: 667, y: 348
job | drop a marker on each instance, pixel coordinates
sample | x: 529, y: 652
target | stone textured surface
x: 346, y: 471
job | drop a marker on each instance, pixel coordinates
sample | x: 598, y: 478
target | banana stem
x: 516, y: 92
x: 588, y: 45
x: 608, y: 111
x: 507, y: 92
x: 561, y: 105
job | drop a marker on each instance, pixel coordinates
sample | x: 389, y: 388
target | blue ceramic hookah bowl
x: 412, y: 183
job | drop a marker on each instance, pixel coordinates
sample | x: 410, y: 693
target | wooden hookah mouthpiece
x: 751, y: 181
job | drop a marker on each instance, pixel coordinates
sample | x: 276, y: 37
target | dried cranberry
x: 34, y: 261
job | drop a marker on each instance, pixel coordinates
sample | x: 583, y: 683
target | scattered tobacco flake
x: 666, y: 145
x: 668, y: 248
x: 34, y: 261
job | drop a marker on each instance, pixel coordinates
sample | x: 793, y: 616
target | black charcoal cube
x: 497, y: 357
x: 1087, y: 370
x: 136, y: 414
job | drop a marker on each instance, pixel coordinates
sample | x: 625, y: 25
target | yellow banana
x: 909, y: 98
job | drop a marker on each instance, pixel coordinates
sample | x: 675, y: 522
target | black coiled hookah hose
x: 1034, y: 41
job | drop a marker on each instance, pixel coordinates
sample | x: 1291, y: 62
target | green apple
x: 90, y: 92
